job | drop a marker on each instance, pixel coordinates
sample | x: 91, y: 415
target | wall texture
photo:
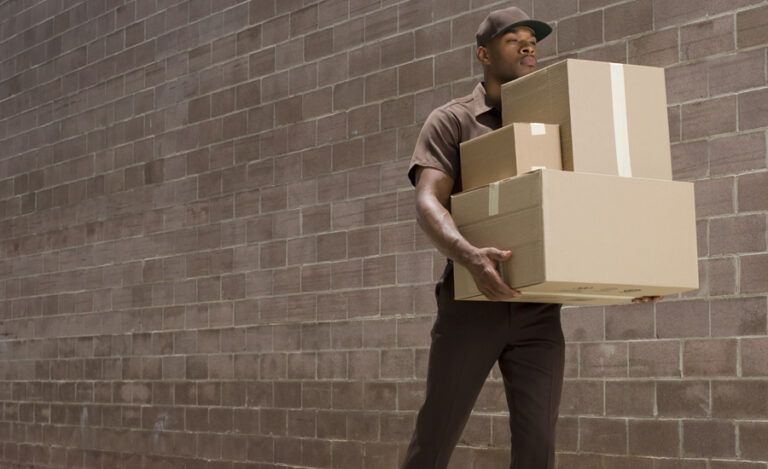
x: 208, y: 254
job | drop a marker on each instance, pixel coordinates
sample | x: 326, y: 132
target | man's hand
x: 645, y: 299
x: 433, y: 192
x: 482, y: 265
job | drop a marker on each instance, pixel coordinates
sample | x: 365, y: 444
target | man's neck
x: 493, y: 92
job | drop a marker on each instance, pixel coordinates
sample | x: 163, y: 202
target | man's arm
x: 433, y: 190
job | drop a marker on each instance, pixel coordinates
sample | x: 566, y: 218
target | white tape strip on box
x: 538, y: 129
x: 493, y: 198
x: 620, y: 130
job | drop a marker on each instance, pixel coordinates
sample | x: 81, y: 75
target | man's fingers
x: 496, y: 288
x: 498, y: 254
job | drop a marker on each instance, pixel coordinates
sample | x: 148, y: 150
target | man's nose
x: 528, y: 48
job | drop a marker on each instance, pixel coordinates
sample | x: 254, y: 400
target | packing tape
x: 493, y: 198
x: 620, y: 131
x: 538, y: 129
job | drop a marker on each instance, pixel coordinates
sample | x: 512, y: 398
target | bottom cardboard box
x: 582, y: 238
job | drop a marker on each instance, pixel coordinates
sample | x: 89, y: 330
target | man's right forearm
x: 441, y: 229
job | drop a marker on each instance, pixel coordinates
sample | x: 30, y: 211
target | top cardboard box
x: 612, y: 117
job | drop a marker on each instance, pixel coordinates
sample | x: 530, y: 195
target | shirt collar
x: 480, y: 100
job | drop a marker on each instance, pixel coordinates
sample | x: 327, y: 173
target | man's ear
x: 483, y: 55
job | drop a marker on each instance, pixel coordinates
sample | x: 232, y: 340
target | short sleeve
x: 437, y: 145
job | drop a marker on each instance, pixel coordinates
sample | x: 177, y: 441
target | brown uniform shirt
x: 446, y: 127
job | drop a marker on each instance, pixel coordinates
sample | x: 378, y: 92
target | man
x: 469, y: 337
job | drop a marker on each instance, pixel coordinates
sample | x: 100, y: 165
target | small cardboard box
x: 612, y: 117
x: 509, y: 151
x: 582, y: 238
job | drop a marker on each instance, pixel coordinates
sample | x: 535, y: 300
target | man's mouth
x: 529, y: 60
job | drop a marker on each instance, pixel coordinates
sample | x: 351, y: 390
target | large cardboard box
x: 582, y: 238
x: 509, y: 151
x: 612, y: 117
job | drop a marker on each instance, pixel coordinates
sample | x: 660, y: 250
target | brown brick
x: 714, y: 196
x: 380, y: 455
x: 684, y: 83
x: 752, y: 109
x: 628, y: 19
x: 753, y: 191
x: 654, y: 438
x: 712, y: 117
x: 736, y: 72
x: 720, y: 278
x: 347, y: 274
x: 364, y: 181
x: 397, y: 363
x: 602, y: 435
x: 629, y: 322
x: 751, y: 27
x: 395, y: 113
x: 656, y: 49
x: 709, y: 357
x: 347, y: 395
x: 583, y: 324
x: 582, y: 397
x: 690, y: 160
x: 689, y: 318
x: 737, y: 317
x: 753, y: 440
x: 739, y: 399
x: 454, y: 65
x: 709, y: 439
x: 735, y: 154
x: 630, y: 398
x: 363, y: 242
x: 658, y: 358
x: 331, y: 424
x: 363, y: 364
x: 752, y: 356
x: 668, y: 14
x: 603, y: 360
x: 380, y: 209
x: 553, y: 10
x: 580, y: 31
x: 331, y: 11
x: 414, y: 13
x: 397, y: 50
x: 675, y: 125
x: 332, y: 69
x: 364, y: 120
x: 415, y: 75
x: 331, y: 246
x: 706, y: 38
x: 380, y: 23
x: 754, y: 273
x: 683, y: 398
x: 348, y: 34
x: 331, y: 365
x: 737, y: 234
x: 304, y: 20
x: 346, y: 335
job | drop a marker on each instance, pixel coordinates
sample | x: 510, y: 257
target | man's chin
x: 520, y: 72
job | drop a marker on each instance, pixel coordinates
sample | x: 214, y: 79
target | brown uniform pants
x: 468, y: 337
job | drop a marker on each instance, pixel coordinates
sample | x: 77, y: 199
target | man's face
x: 512, y: 54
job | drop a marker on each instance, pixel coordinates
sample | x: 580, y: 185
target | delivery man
x: 468, y: 337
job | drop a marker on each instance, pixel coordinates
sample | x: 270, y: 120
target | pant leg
x: 466, y: 342
x: 532, y: 366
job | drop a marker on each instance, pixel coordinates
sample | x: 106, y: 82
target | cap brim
x: 540, y: 29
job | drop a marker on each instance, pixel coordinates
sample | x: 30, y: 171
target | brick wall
x: 208, y: 254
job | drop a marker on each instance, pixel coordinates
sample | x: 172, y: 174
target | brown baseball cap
x: 500, y: 21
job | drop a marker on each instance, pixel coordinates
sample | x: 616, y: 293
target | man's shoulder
x: 455, y: 108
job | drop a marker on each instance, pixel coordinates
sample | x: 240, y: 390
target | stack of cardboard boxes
x: 583, y: 197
